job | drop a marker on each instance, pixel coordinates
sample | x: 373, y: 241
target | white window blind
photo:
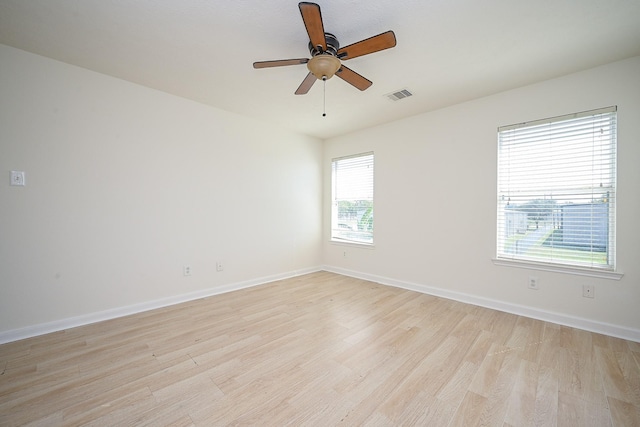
x: 352, y: 199
x: 557, y: 190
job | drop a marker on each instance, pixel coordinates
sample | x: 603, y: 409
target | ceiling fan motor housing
x: 332, y: 46
x: 324, y: 64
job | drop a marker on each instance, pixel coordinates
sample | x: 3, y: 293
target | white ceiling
x: 448, y: 51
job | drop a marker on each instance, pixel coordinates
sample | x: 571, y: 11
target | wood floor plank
x: 574, y: 411
x: 320, y: 349
x: 480, y: 347
x: 488, y: 370
x: 521, y: 402
x: 631, y: 374
x: 427, y: 374
x: 624, y: 413
x: 633, y: 346
x: 469, y: 411
x: 580, y: 376
x: 496, y: 406
x: 545, y: 411
x: 527, y: 337
x: 550, y: 347
x: 98, y: 407
x: 426, y: 410
x: 454, y: 388
x: 613, y: 379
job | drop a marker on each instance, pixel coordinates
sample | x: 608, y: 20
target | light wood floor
x: 321, y: 349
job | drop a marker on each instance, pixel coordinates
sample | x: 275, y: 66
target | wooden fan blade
x: 372, y: 44
x: 313, y: 23
x: 353, y: 78
x: 306, y: 84
x: 279, y: 63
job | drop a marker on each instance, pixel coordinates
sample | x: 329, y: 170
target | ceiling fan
x: 327, y: 55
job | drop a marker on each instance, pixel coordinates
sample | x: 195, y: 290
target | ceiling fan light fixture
x: 323, y: 66
x: 326, y: 53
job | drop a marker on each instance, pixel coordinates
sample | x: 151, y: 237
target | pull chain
x: 324, y: 96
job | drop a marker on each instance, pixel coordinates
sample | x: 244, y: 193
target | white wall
x: 435, y: 209
x: 126, y: 184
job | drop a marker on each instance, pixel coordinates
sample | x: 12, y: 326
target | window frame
x: 353, y: 232
x: 607, y: 270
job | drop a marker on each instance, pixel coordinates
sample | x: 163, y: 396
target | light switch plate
x: 17, y: 178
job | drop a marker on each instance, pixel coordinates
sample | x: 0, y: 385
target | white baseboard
x: 72, y: 322
x: 534, y: 313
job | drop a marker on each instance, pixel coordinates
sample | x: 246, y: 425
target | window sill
x: 352, y: 244
x: 601, y: 274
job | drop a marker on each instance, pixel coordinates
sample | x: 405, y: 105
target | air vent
x: 401, y: 94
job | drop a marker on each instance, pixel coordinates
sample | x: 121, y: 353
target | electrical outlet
x: 588, y: 291
x: 186, y: 270
x: 533, y: 282
x: 18, y: 178
x: 344, y: 254
x: 219, y: 266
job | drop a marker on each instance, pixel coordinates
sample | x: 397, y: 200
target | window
x: 557, y: 190
x: 352, y: 199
